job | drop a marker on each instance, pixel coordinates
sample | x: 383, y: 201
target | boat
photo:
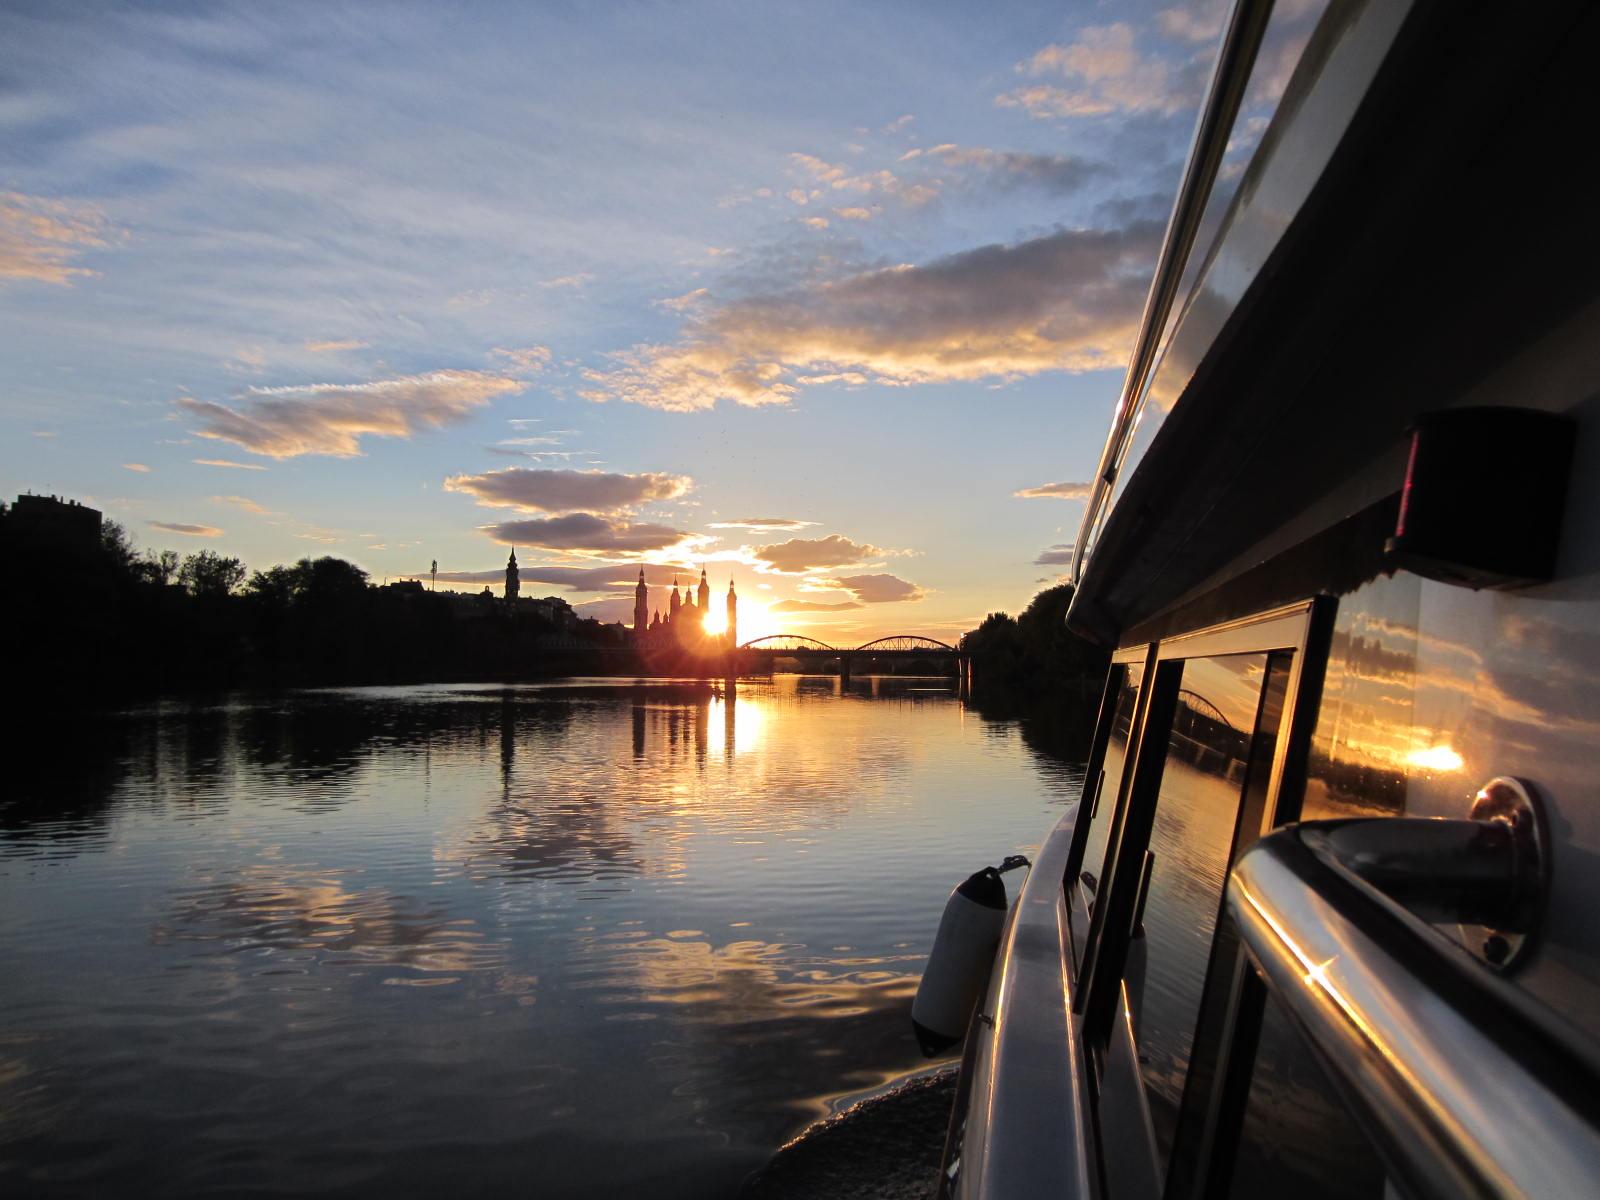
x: 1323, y: 921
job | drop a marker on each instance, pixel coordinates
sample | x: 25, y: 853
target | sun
x: 755, y: 620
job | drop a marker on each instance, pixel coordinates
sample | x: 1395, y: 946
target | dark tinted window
x: 1093, y: 862
x: 1191, y: 838
x: 1297, y: 1140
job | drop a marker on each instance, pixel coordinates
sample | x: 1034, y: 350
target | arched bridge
x: 896, y: 646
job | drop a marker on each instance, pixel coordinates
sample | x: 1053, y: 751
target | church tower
x: 512, y: 584
x: 705, y: 592
x: 674, y: 604
x: 641, y: 610
x: 733, y: 618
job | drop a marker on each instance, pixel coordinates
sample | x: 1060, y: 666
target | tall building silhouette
x: 513, y: 583
x: 682, y: 626
x: 641, y: 610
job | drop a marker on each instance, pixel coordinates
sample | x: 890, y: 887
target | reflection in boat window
x: 1296, y: 1139
x: 1191, y: 837
x: 1106, y: 798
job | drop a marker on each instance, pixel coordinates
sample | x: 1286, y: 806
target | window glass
x: 1296, y: 1139
x: 1111, y: 780
x: 1191, y: 837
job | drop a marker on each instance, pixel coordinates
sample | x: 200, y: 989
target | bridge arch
x: 787, y: 641
x: 905, y: 641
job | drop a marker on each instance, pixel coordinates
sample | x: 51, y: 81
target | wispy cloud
x: 331, y: 418
x: 1065, y: 301
x: 229, y: 463
x: 244, y: 502
x: 1056, y: 556
x: 529, y: 360
x: 205, y: 531
x: 1058, y: 173
x: 811, y: 606
x: 567, y: 281
x: 335, y: 347
x: 40, y: 237
x: 540, y: 489
x: 588, y: 533
x: 879, y: 589
x: 1100, y: 72
x: 139, y: 467
x: 1065, y: 490
x: 762, y: 524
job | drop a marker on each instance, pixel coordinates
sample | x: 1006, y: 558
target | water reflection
x: 629, y: 936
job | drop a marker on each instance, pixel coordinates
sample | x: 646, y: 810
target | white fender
x: 961, y: 960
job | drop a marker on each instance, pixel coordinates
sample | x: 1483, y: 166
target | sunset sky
x: 812, y: 293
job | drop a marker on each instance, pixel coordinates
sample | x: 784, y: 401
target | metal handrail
x: 1235, y: 59
x: 1466, y: 1086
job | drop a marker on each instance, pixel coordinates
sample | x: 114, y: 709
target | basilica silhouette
x: 683, y: 626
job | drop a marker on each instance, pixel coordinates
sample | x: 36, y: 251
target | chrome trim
x: 1235, y: 59
x: 1027, y: 1124
x: 1466, y: 1086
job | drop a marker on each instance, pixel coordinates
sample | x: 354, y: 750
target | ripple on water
x: 368, y: 941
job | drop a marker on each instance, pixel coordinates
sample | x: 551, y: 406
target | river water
x: 584, y: 937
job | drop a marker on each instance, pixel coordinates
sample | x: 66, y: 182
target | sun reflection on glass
x: 1436, y: 758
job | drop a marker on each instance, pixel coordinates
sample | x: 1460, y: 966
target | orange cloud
x: 1067, y: 301
x: 539, y: 489
x: 40, y: 237
x: 331, y: 418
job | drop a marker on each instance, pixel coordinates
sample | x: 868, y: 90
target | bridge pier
x: 844, y: 670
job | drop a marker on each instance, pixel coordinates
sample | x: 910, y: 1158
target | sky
x: 831, y: 299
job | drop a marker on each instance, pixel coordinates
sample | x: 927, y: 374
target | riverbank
x: 884, y: 1148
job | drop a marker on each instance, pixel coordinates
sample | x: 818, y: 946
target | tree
x: 206, y: 573
x: 156, y: 568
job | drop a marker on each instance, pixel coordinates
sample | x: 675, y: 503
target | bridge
x: 895, y: 646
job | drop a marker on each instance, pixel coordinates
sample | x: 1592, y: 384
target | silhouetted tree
x: 207, y: 573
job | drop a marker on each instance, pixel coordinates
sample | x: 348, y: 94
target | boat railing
x: 1465, y: 1084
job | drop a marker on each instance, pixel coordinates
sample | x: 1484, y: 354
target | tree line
x: 102, y: 622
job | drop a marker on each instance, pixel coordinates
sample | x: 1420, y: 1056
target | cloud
x: 1058, y: 555
x: 807, y: 554
x: 539, y: 489
x: 686, y: 301
x: 335, y: 347
x: 586, y: 533
x: 244, y: 502
x: 139, y: 467
x: 1064, y: 490
x: 815, y: 222
x: 1202, y: 23
x: 762, y: 523
x: 606, y: 578
x: 40, y: 237
x: 187, y: 530
x: 804, y: 606
x: 567, y: 281
x: 1104, y: 73
x: 1069, y: 300
x: 853, y: 213
x: 879, y: 589
x: 530, y: 360
x: 1060, y: 173
x: 331, y: 418
x: 228, y: 462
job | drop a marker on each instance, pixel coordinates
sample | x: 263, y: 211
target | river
x: 583, y: 937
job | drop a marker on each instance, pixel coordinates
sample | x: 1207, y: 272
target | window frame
x: 1302, y: 630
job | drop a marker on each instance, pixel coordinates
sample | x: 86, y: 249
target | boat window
x: 1296, y: 1138
x: 1105, y: 802
x: 1216, y: 722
